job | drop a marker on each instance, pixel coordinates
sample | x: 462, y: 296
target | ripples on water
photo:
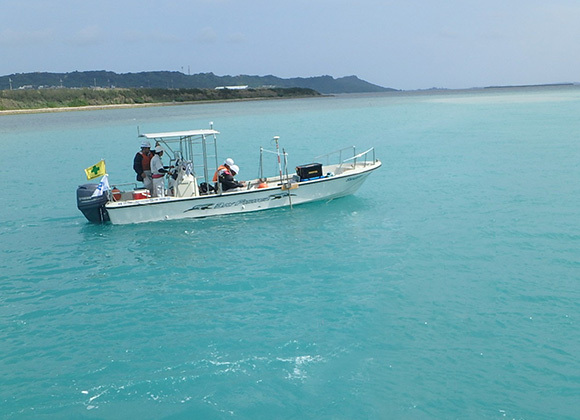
x: 445, y: 288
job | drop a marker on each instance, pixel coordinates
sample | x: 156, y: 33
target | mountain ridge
x: 178, y: 80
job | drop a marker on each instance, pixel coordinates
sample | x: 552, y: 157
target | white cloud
x: 139, y: 37
x: 237, y: 38
x: 207, y: 35
x: 89, y: 35
x: 15, y: 38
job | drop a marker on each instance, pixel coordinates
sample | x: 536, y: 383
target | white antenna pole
x: 288, y: 183
x: 261, y: 164
x: 276, y: 138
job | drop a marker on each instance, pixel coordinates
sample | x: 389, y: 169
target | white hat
x: 229, y: 162
x: 159, y: 149
x: 145, y: 143
x: 235, y: 169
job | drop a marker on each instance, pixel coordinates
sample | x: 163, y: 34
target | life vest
x: 217, y: 173
x: 146, y: 162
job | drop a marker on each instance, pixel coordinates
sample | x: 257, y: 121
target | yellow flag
x: 96, y: 170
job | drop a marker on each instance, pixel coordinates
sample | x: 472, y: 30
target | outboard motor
x: 92, y: 207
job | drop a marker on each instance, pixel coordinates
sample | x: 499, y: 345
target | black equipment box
x: 309, y: 171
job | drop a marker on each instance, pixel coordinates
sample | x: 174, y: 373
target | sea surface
x: 447, y: 287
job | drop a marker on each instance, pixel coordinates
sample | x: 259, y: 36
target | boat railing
x: 132, y: 184
x: 119, y: 189
x: 364, y: 154
x: 336, y: 155
x: 342, y: 161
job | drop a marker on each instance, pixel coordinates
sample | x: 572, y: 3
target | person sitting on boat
x: 228, y: 181
x: 142, y: 165
x: 158, y: 172
x: 223, y: 168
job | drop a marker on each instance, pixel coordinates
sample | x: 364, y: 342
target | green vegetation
x: 61, y: 97
x: 178, y: 80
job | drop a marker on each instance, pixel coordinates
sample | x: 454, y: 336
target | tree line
x: 66, y: 98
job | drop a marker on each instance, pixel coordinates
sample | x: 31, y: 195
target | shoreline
x: 146, y: 105
x: 270, y: 98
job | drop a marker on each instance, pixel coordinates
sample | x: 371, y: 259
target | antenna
x: 276, y: 138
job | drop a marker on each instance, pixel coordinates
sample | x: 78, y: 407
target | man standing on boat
x: 158, y: 172
x: 142, y: 165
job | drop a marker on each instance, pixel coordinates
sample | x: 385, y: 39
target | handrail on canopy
x: 183, y: 146
x: 177, y: 135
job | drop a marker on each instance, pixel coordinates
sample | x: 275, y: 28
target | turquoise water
x: 447, y: 287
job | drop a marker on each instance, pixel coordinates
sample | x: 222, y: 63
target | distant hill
x: 178, y: 80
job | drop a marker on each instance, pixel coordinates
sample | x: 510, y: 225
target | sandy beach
x: 80, y: 108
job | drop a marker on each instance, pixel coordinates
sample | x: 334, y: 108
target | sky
x: 402, y: 44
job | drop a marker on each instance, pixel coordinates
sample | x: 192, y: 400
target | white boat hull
x: 242, y: 201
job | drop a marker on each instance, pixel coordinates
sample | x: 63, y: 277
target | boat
x: 193, y: 154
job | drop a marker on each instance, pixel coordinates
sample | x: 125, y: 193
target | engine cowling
x: 92, y: 207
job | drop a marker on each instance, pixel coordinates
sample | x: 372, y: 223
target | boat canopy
x: 183, y: 146
x: 179, y: 134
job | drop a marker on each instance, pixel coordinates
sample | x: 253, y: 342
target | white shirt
x: 156, y: 164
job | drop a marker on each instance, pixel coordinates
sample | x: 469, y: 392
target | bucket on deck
x: 141, y: 194
x: 116, y: 194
